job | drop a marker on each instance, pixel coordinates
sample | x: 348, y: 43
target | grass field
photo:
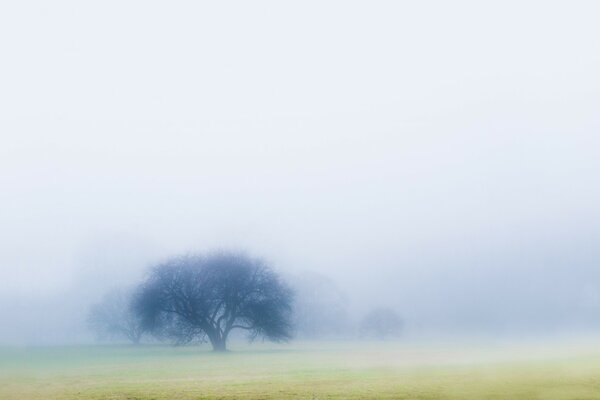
x: 317, y: 370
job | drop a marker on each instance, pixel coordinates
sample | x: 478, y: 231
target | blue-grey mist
x: 437, y: 158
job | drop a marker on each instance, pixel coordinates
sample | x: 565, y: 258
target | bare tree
x: 114, y: 317
x: 198, y: 297
x: 381, y: 323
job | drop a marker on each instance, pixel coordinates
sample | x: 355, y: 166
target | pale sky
x: 398, y: 147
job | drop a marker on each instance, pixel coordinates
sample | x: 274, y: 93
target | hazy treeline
x: 529, y: 290
x: 205, y: 298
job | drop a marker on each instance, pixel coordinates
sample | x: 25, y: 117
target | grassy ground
x: 346, y: 370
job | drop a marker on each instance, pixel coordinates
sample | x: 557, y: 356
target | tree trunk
x: 218, y: 341
x: 219, y: 345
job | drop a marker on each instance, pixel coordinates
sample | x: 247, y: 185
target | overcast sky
x: 446, y: 153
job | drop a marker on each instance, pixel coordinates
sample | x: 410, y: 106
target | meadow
x: 305, y: 370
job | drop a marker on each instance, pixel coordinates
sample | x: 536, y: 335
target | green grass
x: 319, y: 370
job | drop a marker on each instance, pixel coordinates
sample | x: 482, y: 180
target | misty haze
x: 299, y: 200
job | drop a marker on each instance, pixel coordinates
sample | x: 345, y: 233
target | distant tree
x: 381, y: 323
x: 197, y: 297
x: 114, y: 317
x: 319, y: 307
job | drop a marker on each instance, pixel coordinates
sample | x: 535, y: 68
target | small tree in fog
x: 206, y: 297
x: 115, y: 318
x: 319, y: 307
x: 381, y: 323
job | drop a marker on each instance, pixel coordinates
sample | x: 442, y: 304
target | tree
x: 196, y: 297
x: 381, y: 323
x: 319, y: 306
x: 114, y: 317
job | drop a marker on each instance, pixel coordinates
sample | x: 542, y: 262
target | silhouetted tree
x: 381, y: 323
x: 114, y: 317
x: 197, y: 297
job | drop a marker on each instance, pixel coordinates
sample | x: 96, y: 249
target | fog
x: 439, y: 159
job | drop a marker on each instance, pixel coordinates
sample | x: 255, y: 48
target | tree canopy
x: 205, y: 297
x: 114, y: 317
x: 381, y: 323
x: 319, y: 307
